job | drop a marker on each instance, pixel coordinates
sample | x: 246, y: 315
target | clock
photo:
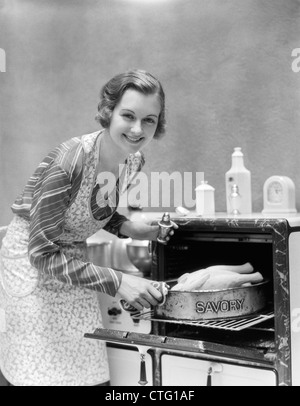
x: 279, y: 195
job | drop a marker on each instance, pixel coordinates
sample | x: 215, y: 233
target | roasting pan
x: 213, y: 304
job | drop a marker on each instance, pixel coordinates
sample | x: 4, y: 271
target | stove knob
x: 114, y: 311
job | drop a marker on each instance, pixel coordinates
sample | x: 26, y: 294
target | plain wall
x: 225, y: 67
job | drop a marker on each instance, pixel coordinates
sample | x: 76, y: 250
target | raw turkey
x: 218, y: 277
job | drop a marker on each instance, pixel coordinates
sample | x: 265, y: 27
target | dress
x: 43, y: 342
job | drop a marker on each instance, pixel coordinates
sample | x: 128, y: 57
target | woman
x: 48, y: 288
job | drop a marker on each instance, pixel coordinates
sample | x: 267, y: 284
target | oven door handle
x: 208, y: 381
x: 143, y: 377
x: 168, y: 343
x: 214, y: 368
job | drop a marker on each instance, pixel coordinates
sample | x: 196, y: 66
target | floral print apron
x: 42, y: 340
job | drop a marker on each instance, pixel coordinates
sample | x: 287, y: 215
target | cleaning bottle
x: 238, y: 186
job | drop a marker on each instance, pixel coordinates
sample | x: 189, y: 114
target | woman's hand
x: 138, y: 230
x: 139, y: 292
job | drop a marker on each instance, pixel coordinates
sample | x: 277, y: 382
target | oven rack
x: 232, y: 324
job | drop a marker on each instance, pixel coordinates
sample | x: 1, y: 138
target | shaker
x: 235, y: 199
x: 205, y: 199
x: 165, y: 226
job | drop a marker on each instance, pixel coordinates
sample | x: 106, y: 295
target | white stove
x: 114, y: 317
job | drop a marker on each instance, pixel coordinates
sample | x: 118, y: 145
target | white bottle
x: 205, y: 199
x: 238, y: 186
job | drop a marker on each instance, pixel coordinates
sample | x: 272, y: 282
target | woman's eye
x: 150, y: 121
x: 128, y: 116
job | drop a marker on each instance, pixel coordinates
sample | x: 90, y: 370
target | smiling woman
x: 46, y: 276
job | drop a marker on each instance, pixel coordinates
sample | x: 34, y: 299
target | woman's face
x: 134, y: 120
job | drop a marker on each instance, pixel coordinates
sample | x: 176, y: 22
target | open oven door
x: 168, y: 343
x: 143, y: 342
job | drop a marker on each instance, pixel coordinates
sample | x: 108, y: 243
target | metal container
x: 213, y: 304
x: 100, y: 253
x: 119, y: 257
x: 139, y: 253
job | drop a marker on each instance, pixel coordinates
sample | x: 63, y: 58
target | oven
x: 261, y: 348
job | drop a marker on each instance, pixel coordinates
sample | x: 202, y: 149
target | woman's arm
x: 51, y: 200
x: 139, y: 230
x: 136, y: 291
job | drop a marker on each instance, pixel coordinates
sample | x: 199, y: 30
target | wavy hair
x: 112, y: 92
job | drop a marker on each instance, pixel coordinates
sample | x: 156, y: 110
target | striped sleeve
x: 52, y: 194
x: 115, y: 223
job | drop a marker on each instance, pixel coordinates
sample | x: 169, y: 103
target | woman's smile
x: 133, y: 139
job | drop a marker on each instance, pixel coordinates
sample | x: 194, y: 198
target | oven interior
x: 190, y: 251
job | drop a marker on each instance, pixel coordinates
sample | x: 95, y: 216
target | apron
x: 44, y: 320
